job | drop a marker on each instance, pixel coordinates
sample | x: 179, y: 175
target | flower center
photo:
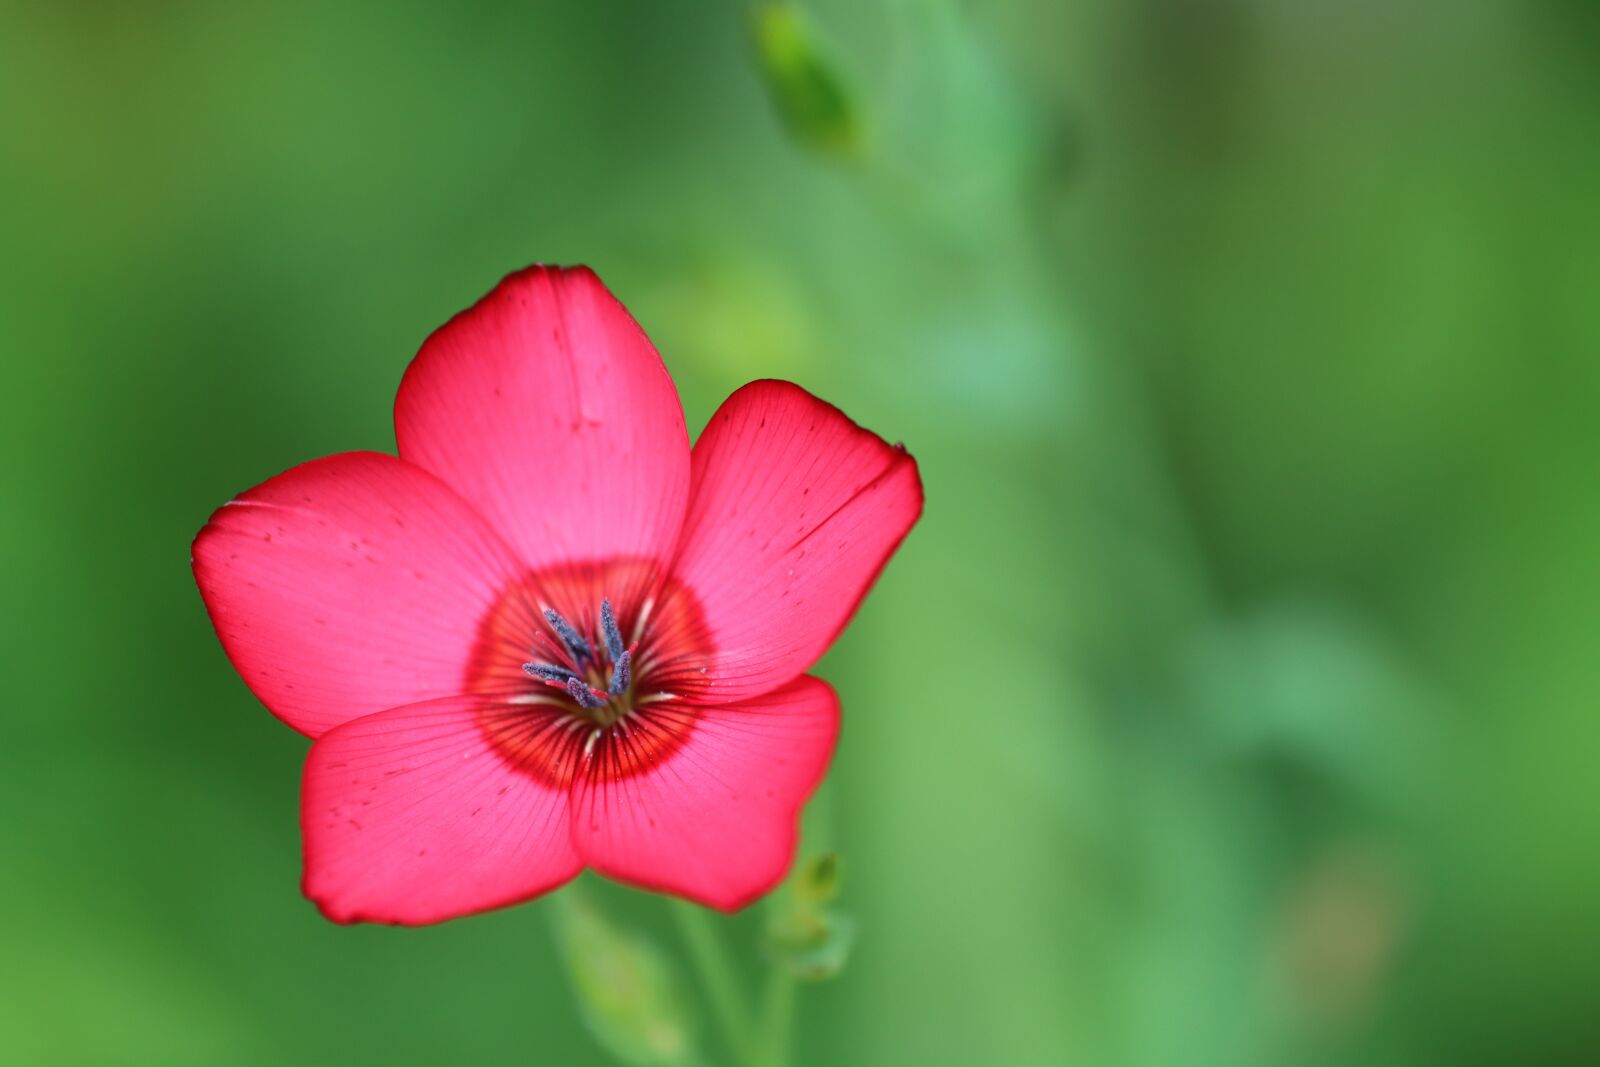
x: 600, y: 686
x: 576, y: 665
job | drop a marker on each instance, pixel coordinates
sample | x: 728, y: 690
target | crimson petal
x: 412, y: 816
x: 716, y: 819
x: 547, y: 407
x: 793, y: 512
x: 347, y: 585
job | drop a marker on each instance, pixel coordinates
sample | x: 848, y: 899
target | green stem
x: 716, y: 974
x: 777, y: 1019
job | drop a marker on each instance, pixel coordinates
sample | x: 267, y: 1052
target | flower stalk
x: 711, y: 963
x: 777, y: 1019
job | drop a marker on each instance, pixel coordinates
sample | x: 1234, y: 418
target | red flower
x: 548, y: 635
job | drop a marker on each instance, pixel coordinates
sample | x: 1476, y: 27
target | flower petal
x: 716, y: 820
x: 793, y: 512
x: 547, y: 407
x: 412, y: 816
x: 348, y: 585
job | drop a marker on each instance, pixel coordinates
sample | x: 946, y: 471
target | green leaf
x: 625, y: 986
x: 811, y: 96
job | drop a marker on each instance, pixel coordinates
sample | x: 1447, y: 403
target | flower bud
x: 626, y: 990
x: 805, y: 938
x: 811, y: 97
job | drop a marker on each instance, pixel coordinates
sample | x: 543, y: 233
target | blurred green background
x: 1234, y: 702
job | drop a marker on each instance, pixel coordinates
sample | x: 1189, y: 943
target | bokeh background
x: 1234, y: 702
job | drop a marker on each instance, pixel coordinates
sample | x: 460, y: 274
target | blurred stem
x: 716, y: 975
x: 777, y: 1019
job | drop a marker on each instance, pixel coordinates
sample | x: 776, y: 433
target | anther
x: 583, y: 694
x: 608, y: 626
x: 577, y: 647
x: 549, y: 672
x: 621, y: 674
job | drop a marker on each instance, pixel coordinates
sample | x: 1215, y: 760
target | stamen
x: 549, y: 672
x: 644, y: 617
x: 621, y: 674
x: 577, y: 647
x: 583, y: 694
x: 608, y: 625
x: 536, y: 698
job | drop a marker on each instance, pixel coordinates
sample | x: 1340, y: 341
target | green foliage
x: 1234, y: 701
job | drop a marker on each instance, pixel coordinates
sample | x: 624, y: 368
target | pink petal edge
x: 793, y: 513
x: 348, y: 585
x: 546, y: 406
x: 410, y: 816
